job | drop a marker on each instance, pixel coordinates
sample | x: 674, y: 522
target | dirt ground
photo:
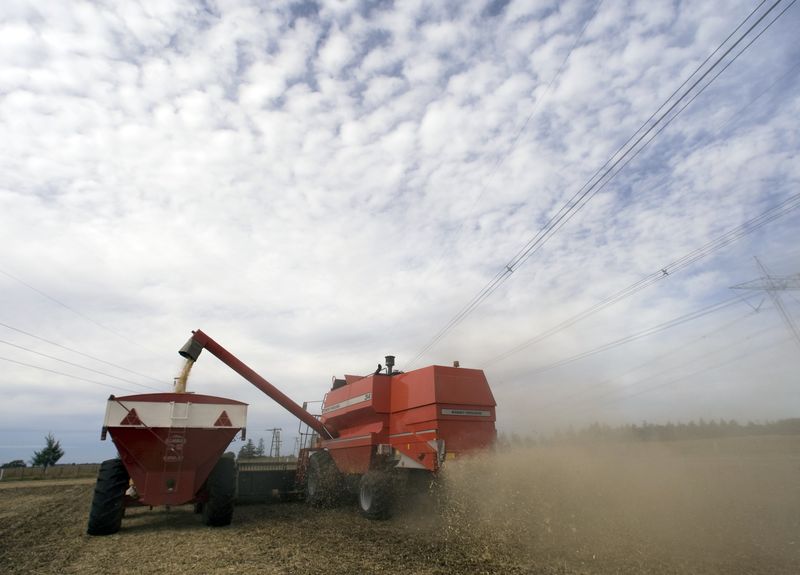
x: 729, y: 507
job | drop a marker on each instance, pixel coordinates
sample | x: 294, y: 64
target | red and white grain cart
x: 171, y: 452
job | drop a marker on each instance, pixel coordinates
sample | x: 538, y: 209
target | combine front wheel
x: 108, y: 503
x: 323, y: 482
x: 375, y: 494
x: 218, y: 510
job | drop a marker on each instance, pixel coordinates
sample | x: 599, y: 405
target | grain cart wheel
x: 323, y: 480
x: 375, y: 494
x: 108, y: 503
x: 218, y: 510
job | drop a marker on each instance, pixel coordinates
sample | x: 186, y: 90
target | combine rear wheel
x: 108, y: 503
x: 375, y: 494
x: 323, y: 481
x: 218, y: 510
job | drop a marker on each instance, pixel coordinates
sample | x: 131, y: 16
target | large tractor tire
x: 324, y: 484
x: 375, y: 494
x: 108, y: 503
x: 221, y: 485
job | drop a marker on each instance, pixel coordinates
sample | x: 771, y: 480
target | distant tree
x: 51, y: 453
x: 14, y: 463
x: 260, y: 448
x: 248, y: 450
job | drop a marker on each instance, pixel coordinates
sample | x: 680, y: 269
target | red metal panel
x: 462, y: 386
x: 169, y: 465
x: 352, y: 409
x: 382, y: 393
x: 355, y: 459
x: 415, y: 419
x: 413, y: 389
x: 439, y: 384
x: 461, y: 436
x: 358, y: 406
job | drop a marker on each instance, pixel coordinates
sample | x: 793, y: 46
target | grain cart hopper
x: 384, y: 432
x: 170, y: 447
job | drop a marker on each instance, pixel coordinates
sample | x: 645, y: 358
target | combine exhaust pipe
x: 389, y: 359
x: 199, y: 341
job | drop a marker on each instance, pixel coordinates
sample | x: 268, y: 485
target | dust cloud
x: 729, y: 505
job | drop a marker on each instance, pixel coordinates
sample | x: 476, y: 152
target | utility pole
x: 275, y: 444
x: 773, y: 285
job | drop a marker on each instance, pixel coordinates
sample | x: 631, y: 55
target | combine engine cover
x: 170, y: 442
x: 417, y: 419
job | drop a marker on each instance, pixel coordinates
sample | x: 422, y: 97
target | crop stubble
x: 729, y: 506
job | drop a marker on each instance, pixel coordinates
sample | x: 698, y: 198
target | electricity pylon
x: 275, y: 445
x: 773, y: 284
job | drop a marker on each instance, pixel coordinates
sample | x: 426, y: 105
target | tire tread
x: 108, y: 502
x: 218, y: 510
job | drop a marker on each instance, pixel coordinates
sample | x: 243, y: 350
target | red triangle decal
x: 131, y: 419
x: 223, y: 420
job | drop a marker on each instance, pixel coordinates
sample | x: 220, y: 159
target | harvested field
x: 730, y: 506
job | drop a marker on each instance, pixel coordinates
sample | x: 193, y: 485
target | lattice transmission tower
x: 774, y: 285
x: 275, y: 444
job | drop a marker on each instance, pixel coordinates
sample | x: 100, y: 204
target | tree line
x: 646, y: 431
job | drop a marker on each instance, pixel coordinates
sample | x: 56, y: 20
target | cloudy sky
x: 319, y: 184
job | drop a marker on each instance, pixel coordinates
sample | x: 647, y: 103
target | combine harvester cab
x: 171, y: 453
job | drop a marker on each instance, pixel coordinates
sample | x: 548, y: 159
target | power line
x: 569, y: 211
x: 735, y: 359
x: 76, y: 365
x: 73, y: 310
x: 66, y: 374
x: 608, y: 171
x: 697, y: 314
x: 697, y: 359
x: 86, y: 355
x: 665, y: 271
x: 605, y: 396
x: 732, y: 236
x: 689, y: 344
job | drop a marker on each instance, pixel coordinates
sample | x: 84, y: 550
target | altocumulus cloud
x: 317, y: 184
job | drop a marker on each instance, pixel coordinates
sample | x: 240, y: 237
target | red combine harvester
x: 377, y: 435
x: 381, y: 432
